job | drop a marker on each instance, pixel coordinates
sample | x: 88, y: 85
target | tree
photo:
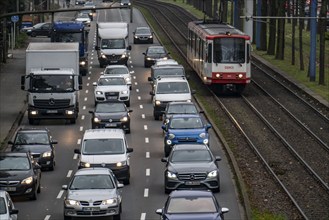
x: 293, y: 56
x: 272, y: 28
x: 263, y: 27
x: 281, y: 31
x: 322, y: 30
x: 301, y: 27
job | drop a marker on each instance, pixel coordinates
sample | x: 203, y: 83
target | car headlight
x: 125, y: 92
x: 202, y: 135
x: 82, y: 63
x: 171, y: 136
x: 103, y: 56
x: 27, y: 181
x: 46, y: 154
x: 110, y: 202
x: 151, y: 36
x: 171, y: 175
x: 213, y: 174
x: 71, y: 202
x: 189, y: 100
x: 122, y: 163
x: 128, y: 80
x: 157, y: 102
x: 84, y: 164
x: 165, y: 58
x: 124, y: 119
x: 124, y: 55
x: 136, y: 37
x: 99, y: 93
x: 169, y: 142
x: 96, y: 120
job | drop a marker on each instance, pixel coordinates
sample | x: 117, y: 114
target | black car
x: 39, y: 143
x: 19, y: 175
x: 40, y: 29
x: 143, y: 35
x: 191, y: 166
x: 192, y: 205
x: 154, y: 53
x: 174, y: 108
x: 111, y: 115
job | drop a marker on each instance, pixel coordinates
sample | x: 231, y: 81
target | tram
x: 220, y: 54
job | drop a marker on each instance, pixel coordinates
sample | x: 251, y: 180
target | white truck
x: 112, y: 43
x: 52, y: 81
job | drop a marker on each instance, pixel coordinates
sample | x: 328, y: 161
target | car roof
x: 116, y: 66
x: 110, y: 76
x: 185, y: 116
x: 185, y: 193
x: 171, y: 79
x: 190, y: 147
x: 103, y: 133
x: 143, y: 27
x: 93, y: 171
x: 181, y: 103
x: 14, y: 154
x: 32, y: 130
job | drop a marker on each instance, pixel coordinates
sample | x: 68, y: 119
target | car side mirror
x: 94, y: 83
x: 36, y: 166
x: 149, y: 78
x: 164, y: 159
x: 10, y: 142
x: 218, y: 158
x: 129, y: 150
x: 193, y: 91
x: 22, y: 82
x: 96, y: 47
x: 91, y: 112
x: 144, y: 54
x: 65, y: 187
x: 164, y: 127
x: 80, y: 82
x: 158, y: 211
x: 152, y: 93
x: 225, y: 210
x: 120, y: 185
x: 130, y: 110
x: 54, y: 142
x: 208, y: 126
x: 129, y: 47
x: 201, y: 111
x: 77, y: 151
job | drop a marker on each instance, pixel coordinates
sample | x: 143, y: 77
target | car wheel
x: 216, y: 190
x: 67, y: 217
x: 34, y: 195
x: 73, y: 121
x: 31, y: 121
x: 127, y: 103
x: 126, y: 181
x: 51, y: 168
x: 33, y: 34
x: 167, y: 151
x: 167, y: 191
x: 156, y: 117
x: 39, y: 189
x: 128, y: 131
x: 145, y: 65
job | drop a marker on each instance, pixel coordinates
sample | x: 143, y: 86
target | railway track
x: 285, y: 128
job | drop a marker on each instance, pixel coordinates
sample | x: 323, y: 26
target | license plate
x: 112, y: 97
x: 8, y: 189
x: 192, y: 183
x: 52, y: 111
x: 113, y: 61
x: 91, y: 209
x: 110, y: 125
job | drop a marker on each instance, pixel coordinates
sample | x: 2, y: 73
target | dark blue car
x: 185, y: 128
x: 192, y: 205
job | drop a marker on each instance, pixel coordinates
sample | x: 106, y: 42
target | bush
x: 21, y: 40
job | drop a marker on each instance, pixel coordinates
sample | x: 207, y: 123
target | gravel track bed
x: 314, y: 202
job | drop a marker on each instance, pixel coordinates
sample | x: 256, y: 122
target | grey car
x: 191, y: 166
x: 143, y: 35
x: 93, y: 192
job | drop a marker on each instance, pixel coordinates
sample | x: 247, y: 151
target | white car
x: 7, y: 208
x: 84, y: 18
x: 118, y: 70
x: 112, y: 88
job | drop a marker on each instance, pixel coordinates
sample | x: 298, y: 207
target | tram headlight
x: 240, y: 76
x: 217, y: 75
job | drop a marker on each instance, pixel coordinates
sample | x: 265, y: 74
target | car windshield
x: 113, y: 44
x: 14, y: 163
x: 3, y: 209
x: 158, y: 50
x: 191, y: 205
x: 185, y: 123
x: 182, y: 109
x: 116, y: 71
x: 68, y: 37
x: 31, y: 138
x: 111, y: 81
x: 81, y: 182
x: 103, y: 146
x: 190, y: 156
x: 83, y: 16
x: 143, y: 31
x: 110, y: 107
x: 169, y: 72
x: 172, y: 87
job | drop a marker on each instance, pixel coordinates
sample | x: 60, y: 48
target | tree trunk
x: 281, y: 31
x: 293, y: 56
x: 272, y: 30
x: 263, y: 27
x: 223, y: 11
x: 322, y: 30
x: 301, y: 28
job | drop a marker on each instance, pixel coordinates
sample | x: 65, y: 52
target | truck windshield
x: 68, y: 37
x: 47, y: 83
x: 113, y: 44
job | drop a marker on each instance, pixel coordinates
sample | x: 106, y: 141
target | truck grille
x: 192, y: 176
x: 52, y: 103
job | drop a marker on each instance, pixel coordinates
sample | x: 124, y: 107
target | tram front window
x: 229, y: 50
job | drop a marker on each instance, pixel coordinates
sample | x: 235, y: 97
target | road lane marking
x: 69, y: 173
x: 88, y: 78
x: 86, y: 99
x: 139, y: 98
x: 146, y: 192
x: 148, y: 172
x: 47, y: 217
x: 84, y: 107
x: 82, y: 117
x: 141, y: 106
x: 137, y: 90
x: 134, y: 77
x: 75, y: 156
x: 143, y: 115
x: 60, y: 194
x: 79, y: 141
x: 147, y: 155
x: 143, y: 216
x: 146, y: 140
x: 145, y: 127
x: 87, y: 84
x: 87, y: 91
x: 81, y: 128
x: 136, y: 83
x: 91, y: 62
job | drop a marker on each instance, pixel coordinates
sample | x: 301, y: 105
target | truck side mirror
x: 129, y: 47
x: 22, y: 82
x: 80, y: 82
x: 96, y: 47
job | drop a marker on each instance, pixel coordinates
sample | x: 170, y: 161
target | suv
x: 182, y: 129
x: 112, y: 88
x: 106, y: 148
x: 91, y: 192
x: 19, y: 176
x: 40, y: 29
x: 118, y: 70
x: 165, y: 70
x: 39, y: 143
x: 174, y: 108
x: 167, y: 90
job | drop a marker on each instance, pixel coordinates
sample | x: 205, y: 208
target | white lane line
x: 148, y: 172
x: 87, y: 91
x: 87, y: 84
x: 137, y: 90
x: 69, y: 173
x: 143, y: 115
x: 145, y: 127
x: 86, y: 99
x: 133, y: 71
x: 47, y: 217
x: 134, y: 77
x: 84, y: 107
x: 146, y: 192
x: 146, y: 140
x: 82, y: 117
x: 91, y: 62
x: 75, y: 156
x: 79, y: 141
x: 147, y: 155
x: 143, y: 216
x: 88, y: 77
x: 136, y: 83
x: 139, y: 98
x: 81, y: 128
x: 60, y: 194
x: 141, y: 106
x: 92, y: 58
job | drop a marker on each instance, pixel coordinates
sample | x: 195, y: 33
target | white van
x: 106, y: 148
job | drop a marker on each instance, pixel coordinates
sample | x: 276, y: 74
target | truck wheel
x: 73, y: 121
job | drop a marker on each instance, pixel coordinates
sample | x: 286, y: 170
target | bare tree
x: 293, y: 54
x: 322, y: 30
x: 301, y: 28
x: 272, y: 29
x: 263, y: 27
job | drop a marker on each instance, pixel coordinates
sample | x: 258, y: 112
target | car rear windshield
x: 191, y: 205
x: 103, y: 146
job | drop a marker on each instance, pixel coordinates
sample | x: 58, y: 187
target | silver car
x: 93, y: 192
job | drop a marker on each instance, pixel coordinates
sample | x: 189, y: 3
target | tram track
x: 272, y: 119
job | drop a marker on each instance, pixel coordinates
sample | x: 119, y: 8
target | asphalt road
x: 145, y: 193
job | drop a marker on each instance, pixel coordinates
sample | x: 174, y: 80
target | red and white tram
x: 220, y: 54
